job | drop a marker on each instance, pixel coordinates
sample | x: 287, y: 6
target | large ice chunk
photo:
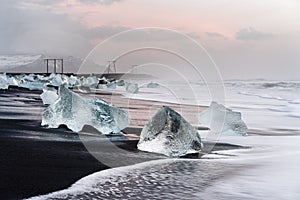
x: 170, y: 134
x: 222, y: 120
x: 49, y: 95
x: 75, y: 112
x: 3, y: 81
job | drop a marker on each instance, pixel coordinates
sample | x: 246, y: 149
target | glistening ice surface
x: 222, y: 120
x: 168, y: 133
x: 75, y: 112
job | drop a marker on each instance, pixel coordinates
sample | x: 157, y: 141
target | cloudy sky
x: 246, y: 39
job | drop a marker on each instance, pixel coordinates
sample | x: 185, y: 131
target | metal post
x: 62, y: 66
x: 108, y: 68
x: 47, y: 61
x: 114, y: 63
x: 54, y: 62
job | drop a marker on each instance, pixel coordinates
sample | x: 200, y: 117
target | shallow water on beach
x: 266, y: 171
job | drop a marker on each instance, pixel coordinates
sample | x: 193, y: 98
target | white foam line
x: 85, y: 184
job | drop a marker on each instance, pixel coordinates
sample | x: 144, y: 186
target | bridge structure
x: 55, y: 62
x: 111, y: 66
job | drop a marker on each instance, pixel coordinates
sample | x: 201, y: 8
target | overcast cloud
x: 104, y: 2
x: 252, y: 34
x: 244, y: 40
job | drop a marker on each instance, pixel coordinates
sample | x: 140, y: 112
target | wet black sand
x: 35, y: 160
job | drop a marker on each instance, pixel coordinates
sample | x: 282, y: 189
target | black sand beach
x: 35, y: 160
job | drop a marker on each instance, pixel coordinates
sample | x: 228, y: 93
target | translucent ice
x: 73, y: 81
x: 132, y: 87
x: 222, y: 120
x: 13, y: 81
x: 49, y: 95
x: 91, y: 81
x: 152, y: 85
x: 120, y: 82
x: 170, y: 134
x: 84, y: 89
x: 103, y: 81
x: 75, y: 112
x: 111, y: 85
x: 55, y: 80
x: 31, y: 82
x: 3, y: 81
x: 30, y: 77
x: 42, y: 78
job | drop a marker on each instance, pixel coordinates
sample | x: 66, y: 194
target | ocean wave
x: 93, y: 183
x: 265, y: 85
x: 263, y: 96
x: 281, y: 85
x: 244, y: 174
x: 294, y: 115
x: 160, y: 179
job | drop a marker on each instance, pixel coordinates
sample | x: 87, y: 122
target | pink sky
x: 249, y: 35
x: 192, y: 16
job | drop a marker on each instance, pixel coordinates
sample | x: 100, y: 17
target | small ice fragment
x: 103, y: 81
x: 13, y: 81
x: 222, y: 120
x: 75, y: 112
x: 100, y: 86
x: 120, y: 83
x: 3, y: 81
x: 91, y: 81
x: 152, y: 85
x: 132, y: 87
x: 84, y: 89
x: 55, y: 80
x: 42, y: 78
x: 111, y: 85
x: 49, y: 95
x: 170, y: 134
x: 31, y: 82
x: 30, y: 77
x: 73, y: 81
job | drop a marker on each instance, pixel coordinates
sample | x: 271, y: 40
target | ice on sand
x: 111, y: 85
x: 3, y: 82
x: 12, y: 81
x: 75, y: 112
x: 120, y: 82
x: 132, y: 88
x: 31, y: 82
x: 91, y: 81
x: 170, y: 134
x: 55, y: 79
x: 152, y: 85
x: 73, y: 81
x: 49, y: 95
x: 222, y: 120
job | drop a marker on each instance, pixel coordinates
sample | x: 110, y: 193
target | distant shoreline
x: 116, y: 76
